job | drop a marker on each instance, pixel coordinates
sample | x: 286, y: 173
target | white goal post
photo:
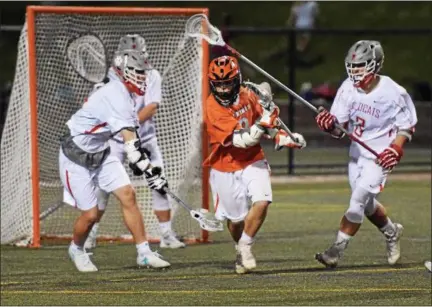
x: 47, y: 91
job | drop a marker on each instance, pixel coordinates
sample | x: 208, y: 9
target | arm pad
x: 245, y: 138
x: 135, y: 156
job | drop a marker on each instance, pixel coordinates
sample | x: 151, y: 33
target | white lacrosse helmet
x: 131, y: 66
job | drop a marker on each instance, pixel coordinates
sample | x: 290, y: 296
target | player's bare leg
x: 90, y: 242
x: 253, y: 222
x: 134, y: 222
x: 102, y: 199
x: 392, y: 231
x: 82, y: 227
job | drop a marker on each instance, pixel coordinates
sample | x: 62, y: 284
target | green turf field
x: 302, y: 221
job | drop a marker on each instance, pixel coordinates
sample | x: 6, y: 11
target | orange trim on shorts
x: 217, y: 202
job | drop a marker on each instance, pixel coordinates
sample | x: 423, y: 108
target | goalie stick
x: 88, y: 57
x: 198, y: 26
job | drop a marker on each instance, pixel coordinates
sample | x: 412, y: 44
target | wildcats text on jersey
x: 367, y: 109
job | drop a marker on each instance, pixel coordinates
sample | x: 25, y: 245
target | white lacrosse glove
x: 282, y: 139
x: 156, y: 180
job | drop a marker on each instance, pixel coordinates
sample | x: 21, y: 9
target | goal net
x: 30, y: 182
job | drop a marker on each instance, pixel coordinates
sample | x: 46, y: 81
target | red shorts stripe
x: 95, y: 128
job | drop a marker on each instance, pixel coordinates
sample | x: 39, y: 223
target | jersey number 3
x: 359, y: 126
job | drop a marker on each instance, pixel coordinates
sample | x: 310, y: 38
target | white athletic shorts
x: 366, y: 174
x: 234, y: 192
x: 80, y: 184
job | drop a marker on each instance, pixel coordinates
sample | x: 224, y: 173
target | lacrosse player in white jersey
x: 85, y: 162
x: 146, y: 106
x: 381, y: 113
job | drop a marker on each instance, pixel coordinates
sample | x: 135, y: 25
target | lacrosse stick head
x: 263, y: 91
x: 207, y: 220
x: 87, y: 56
x: 198, y: 26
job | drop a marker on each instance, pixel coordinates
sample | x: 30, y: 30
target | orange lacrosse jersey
x: 221, y: 122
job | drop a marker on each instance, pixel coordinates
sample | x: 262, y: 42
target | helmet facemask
x: 132, y: 68
x: 226, y: 91
x: 360, y: 73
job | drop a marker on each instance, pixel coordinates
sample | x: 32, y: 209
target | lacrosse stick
x: 87, y: 56
x: 206, y: 219
x: 267, y: 103
x: 198, y: 26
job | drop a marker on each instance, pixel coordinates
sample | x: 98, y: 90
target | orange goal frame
x: 31, y: 32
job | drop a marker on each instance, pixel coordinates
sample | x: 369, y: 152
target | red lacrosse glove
x: 325, y: 120
x: 390, y: 157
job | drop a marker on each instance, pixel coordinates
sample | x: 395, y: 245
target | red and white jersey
x: 107, y: 111
x: 153, y: 94
x: 376, y: 117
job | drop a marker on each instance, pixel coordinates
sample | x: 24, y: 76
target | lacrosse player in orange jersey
x: 235, y: 122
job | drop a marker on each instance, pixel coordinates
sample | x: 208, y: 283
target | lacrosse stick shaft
x: 298, y: 97
x: 50, y: 210
x: 178, y: 200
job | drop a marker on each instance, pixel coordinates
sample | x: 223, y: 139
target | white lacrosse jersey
x: 153, y: 94
x: 376, y: 117
x: 107, y: 111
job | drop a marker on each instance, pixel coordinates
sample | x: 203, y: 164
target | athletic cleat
x: 82, y: 260
x: 239, y: 268
x: 246, y: 257
x: 428, y: 266
x: 393, y: 244
x: 332, y: 255
x: 152, y: 260
x: 168, y: 240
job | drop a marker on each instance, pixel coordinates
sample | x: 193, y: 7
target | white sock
x: 389, y: 227
x: 76, y: 247
x: 165, y: 226
x: 246, y: 239
x: 342, y: 236
x: 143, y: 248
x: 95, y: 228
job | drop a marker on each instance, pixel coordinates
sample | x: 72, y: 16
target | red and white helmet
x: 132, y: 66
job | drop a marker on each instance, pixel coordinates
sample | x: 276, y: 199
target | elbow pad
x: 245, y: 138
x: 135, y: 156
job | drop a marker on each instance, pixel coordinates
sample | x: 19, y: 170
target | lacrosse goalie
x: 85, y: 162
x: 146, y: 108
x: 381, y: 113
x: 240, y: 174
